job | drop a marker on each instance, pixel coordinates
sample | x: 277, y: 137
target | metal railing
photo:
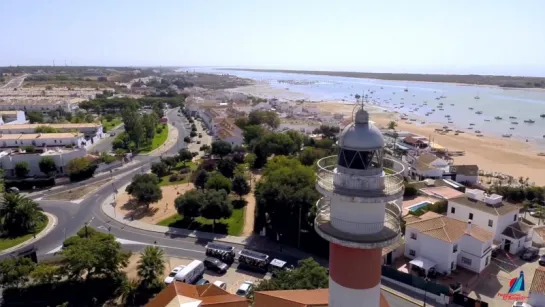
x: 389, y: 184
x: 359, y: 232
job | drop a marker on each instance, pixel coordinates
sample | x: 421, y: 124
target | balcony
x: 363, y: 235
x: 389, y: 186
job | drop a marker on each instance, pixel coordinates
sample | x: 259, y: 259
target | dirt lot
x: 157, y: 211
x: 249, y: 215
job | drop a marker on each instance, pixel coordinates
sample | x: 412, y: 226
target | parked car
x: 530, y: 254
x: 170, y: 276
x: 542, y: 260
x: 215, y: 265
x: 245, y: 289
x: 202, y: 281
x: 220, y: 284
x: 521, y: 304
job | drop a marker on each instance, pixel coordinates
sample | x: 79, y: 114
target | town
x: 156, y: 186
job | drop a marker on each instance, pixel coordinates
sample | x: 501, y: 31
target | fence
x: 414, y: 281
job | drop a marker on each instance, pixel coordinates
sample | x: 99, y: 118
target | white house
x: 537, y: 289
x: 88, y: 129
x: 226, y: 130
x: 444, y: 243
x: 12, y: 117
x: 76, y: 140
x: 491, y: 213
x: 465, y: 173
x: 262, y: 106
x: 61, y: 156
x: 428, y: 165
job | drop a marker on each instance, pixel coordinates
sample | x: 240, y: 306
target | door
x: 389, y: 258
x: 507, y: 245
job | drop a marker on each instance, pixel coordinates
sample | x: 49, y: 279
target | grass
x: 109, y: 125
x: 6, y: 243
x: 165, y: 180
x: 158, y: 140
x: 232, y: 226
x: 77, y: 193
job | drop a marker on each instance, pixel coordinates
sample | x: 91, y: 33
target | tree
x: 221, y: 148
x: 201, y: 178
x: 159, y: 168
x: 308, y: 275
x: 252, y: 132
x: 93, y: 253
x: 151, y: 266
x: 141, y: 178
x: 184, y: 156
x: 128, y: 291
x: 35, y: 117
x: 216, y: 206
x: 46, y: 274
x: 19, y: 214
x: 309, y: 155
x: 392, y: 125
x: 170, y: 162
x: 15, y: 271
x: 21, y: 169
x: 241, y: 186
x: 189, y: 204
x: 218, y: 182
x: 227, y: 167
x: 147, y: 193
x: 46, y: 129
x: 205, y: 148
x: 250, y: 159
x: 81, y: 168
x: 192, y: 134
x: 187, y: 139
x: 47, y: 165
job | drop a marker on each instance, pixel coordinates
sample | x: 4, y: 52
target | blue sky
x: 429, y: 36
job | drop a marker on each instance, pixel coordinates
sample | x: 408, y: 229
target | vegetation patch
x: 179, y: 174
x: 158, y: 140
x: 110, y: 123
x: 8, y: 242
x: 231, y: 226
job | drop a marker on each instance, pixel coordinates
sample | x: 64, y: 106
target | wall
x: 61, y: 160
x: 480, y: 218
x: 463, y: 178
x: 440, y: 299
x: 438, y: 251
x: 472, y: 249
x: 41, y: 142
x: 536, y: 299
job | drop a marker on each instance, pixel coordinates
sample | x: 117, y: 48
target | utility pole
x: 299, y: 230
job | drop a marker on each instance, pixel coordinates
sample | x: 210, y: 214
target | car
x: 112, y: 133
x: 202, y: 281
x: 529, y: 254
x: 220, y: 284
x: 542, y: 260
x: 170, y: 276
x: 245, y: 289
x: 215, y: 265
x: 13, y: 190
x: 521, y: 304
x: 198, y: 142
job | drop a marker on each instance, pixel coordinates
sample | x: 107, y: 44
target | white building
x: 428, y: 165
x: 43, y: 140
x: 227, y: 131
x: 491, y: 213
x: 465, y: 173
x: 444, y: 243
x: 537, y: 289
x: 91, y: 131
x: 262, y: 106
x: 61, y: 156
x: 12, y: 117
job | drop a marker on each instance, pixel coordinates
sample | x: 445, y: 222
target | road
x: 105, y: 145
x: 73, y: 216
x: 15, y: 82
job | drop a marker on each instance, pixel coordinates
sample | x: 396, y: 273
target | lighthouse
x: 358, y: 213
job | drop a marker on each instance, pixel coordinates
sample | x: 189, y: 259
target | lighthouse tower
x: 358, y: 214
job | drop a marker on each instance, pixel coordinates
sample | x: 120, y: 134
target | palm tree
x: 128, y: 290
x: 151, y: 264
x: 392, y: 125
x: 19, y: 214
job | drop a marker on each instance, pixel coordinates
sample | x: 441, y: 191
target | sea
x: 464, y: 106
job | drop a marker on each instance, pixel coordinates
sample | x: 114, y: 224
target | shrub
x: 410, y: 191
x: 185, y: 170
x: 29, y: 148
x: 176, y: 177
x: 159, y: 130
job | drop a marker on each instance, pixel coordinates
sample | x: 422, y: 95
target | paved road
x: 72, y: 217
x: 105, y: 145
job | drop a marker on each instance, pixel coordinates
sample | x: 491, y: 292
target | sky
x: 421, y: 36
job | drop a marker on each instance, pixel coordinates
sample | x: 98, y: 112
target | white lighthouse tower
x: 357, y: 214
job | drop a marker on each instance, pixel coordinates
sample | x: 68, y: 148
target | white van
x: 191, y: 273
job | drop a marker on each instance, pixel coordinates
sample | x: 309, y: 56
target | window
x: 412, y: 252
x: 515, y: 218
x: 466, y: 261
x: 487, y: 261
x: 490, y: 223
x: 413, y: 235
x: 452, y: 210
x: 455, y: 248
x: 471, y: 216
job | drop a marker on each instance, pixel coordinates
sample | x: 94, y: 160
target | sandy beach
x: 490, y: 153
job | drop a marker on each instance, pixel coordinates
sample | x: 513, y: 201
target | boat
x: 422, y: 123
x: 507, y: 135
x: 542, y: 115
x: 472, y: 124
x: 441, y: 109
x: 470, y: 128
x: 479, y: 112
x: 433, y: 110
x: 447, y: 115
x: 512, y: 117
x: 471, y: 108
x: 406, y: 90
x: 512, y: 128
x: 529, y: 121
x: 450, y: 122
x: 445, y: 127
x: 477, y: 131
x: 452, y: 104
x: 498, y: 117
x: 480, y: 135
x: 459, y: 131
x: 515, y: 123
x: 487, y: 120
x: 477, y: 97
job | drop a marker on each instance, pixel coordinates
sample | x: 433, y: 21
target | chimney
x: 468, y: 228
